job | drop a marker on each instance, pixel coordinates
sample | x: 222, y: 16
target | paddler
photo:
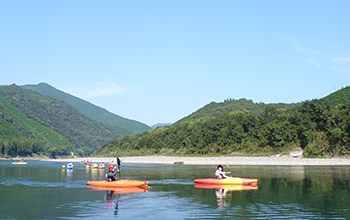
x: 219, y: 173
x: 110, y: 175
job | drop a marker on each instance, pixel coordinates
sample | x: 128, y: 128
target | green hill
x: 122, y: 125
x: 230, y: 105
x: 20, y: 125
x: 339, y: 97
x: 59, y: 127
x: 320, y: 127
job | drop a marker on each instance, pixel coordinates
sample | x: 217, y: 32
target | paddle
x: 116, y: 205
x: 229, y: 169
x: 118, y: 162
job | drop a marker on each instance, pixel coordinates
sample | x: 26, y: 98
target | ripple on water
x: 27, y: 181
x: 281, y: 211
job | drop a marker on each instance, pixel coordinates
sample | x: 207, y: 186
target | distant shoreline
x: 274, y: 160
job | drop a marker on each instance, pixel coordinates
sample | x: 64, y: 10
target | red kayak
x: 118, y: 183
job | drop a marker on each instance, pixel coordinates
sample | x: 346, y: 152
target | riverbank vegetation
x: 35, y: 124
x: 319, y: 128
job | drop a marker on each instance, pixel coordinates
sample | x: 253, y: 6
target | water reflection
x: 94, y: 173
x: 101, y: 173
x: 18, y: 172
x: 221, y: 195
x: 69, y: 174
x: 224, y: 192
x: 297, y: 172
x: 117, y: 194
x: 63, y: 174
x: 87, y: 172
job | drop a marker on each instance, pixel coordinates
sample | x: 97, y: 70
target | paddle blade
x: 118, y: 162
x: 228, y: 169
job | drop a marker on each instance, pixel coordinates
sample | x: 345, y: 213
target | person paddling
x: 111, y: 174
x: 219, y: 173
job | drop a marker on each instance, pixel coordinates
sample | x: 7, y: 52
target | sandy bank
x: 216, y: 160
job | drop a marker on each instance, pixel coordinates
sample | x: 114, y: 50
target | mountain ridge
x: 48, y: 120
x: 320, y: 128
x: 122, y: 125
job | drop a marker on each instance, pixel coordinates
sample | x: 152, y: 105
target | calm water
x: 43, y: 190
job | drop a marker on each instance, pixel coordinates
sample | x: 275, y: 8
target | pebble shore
x: 274, y: 160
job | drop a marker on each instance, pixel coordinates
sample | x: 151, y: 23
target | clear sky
x: 159, y: 61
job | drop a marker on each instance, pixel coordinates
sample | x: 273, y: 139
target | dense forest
x: 124, y: 126
x: 214, y: 109
x: 32, y: 123
x: 35, y: 124
x: 320, y: 127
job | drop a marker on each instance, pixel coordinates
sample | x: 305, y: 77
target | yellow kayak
x: 94, y: 166
x: 227, y: 187
x: 228, y: 181
x: 19, y: 162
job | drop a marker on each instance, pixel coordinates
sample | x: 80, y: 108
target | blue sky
x: 159, y: 61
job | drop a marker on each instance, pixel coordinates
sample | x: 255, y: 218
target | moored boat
x: 118, y: 183
x: 228, y: 181
x: 101, y: 166
x: 20, y: 162
x: 70, y: 166
x: 94, y: 166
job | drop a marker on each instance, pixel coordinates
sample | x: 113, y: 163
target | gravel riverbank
x: 275, y: 160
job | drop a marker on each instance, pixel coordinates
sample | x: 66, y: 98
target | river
x: 45, y: 190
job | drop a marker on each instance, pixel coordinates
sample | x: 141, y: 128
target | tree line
x: 316, y: 126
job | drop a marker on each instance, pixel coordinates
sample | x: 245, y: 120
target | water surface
x: 43, y: 190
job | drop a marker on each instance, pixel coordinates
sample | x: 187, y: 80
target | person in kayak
x: 219, y: 173
x: 111, y: 174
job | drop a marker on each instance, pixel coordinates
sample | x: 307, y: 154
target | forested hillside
x: 339, y: 96
x: 31, y: 123
x: 215, y: 109
x: 54, y: 127
x: 318, y: 127
x: 122, y: 125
